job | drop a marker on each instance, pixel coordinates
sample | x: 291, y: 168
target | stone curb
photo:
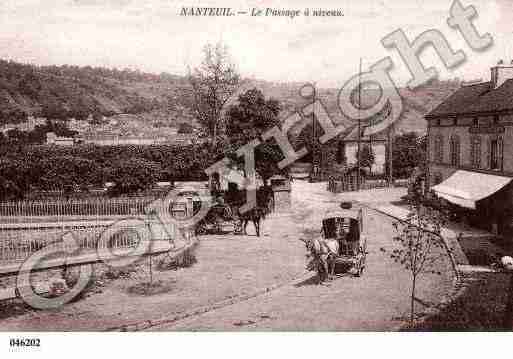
x: 146, y: 324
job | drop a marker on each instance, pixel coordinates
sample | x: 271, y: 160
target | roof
x: 465, y: 188
x: 342, y: 213
x: 476, y: 98
x: 281, y: 177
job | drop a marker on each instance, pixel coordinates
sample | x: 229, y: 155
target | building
x: 377, y: 142
x: 116, y: 140
x: 341, y: 151
x: 53, y: 139
x: 470, y: 147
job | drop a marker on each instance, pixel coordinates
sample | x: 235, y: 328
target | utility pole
x: 358, y: 154
x: 390, y: 155
x: 314, y: 133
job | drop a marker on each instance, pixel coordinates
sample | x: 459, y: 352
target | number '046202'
x: 24, y: 342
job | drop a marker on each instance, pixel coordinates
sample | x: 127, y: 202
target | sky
x: 149, y: 35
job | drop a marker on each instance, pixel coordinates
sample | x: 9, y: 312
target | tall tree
x: 251, y: 116
x: 247, y: 120
x: 213, y: 83
x: 409, y: 152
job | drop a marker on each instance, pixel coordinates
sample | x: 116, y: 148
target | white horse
x: 324, y: 253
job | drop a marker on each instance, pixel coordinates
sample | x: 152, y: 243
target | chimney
x: 501, y: 73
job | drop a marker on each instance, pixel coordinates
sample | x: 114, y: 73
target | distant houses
x: 348, y: 146
x: 53, y: 139
x: 25, y: 126
x: 119, y: 140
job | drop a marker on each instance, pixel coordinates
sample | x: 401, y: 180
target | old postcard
x: 260, y: 165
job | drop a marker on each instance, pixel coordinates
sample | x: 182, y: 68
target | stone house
x: 470, y: 147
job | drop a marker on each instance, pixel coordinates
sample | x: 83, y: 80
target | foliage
x: 251, y: 116
x: 63, y: 92
x: 247, y: 120
x: 408, y: 152
x: 133, y: 175
x: 185, y: 127
x: 420, y: 246
x: 213, y: 84
x: 47, y: 168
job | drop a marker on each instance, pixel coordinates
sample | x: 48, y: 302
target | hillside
x: 416, y: 103
x: 63, y: 92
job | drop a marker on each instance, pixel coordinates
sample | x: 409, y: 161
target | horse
x: 264, y: 198
x: 323, y: 252
x: 254, y: 215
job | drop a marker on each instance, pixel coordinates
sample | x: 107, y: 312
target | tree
x: 185, y: 127
x: 408, y: 152
x: 213, y: 83
x: 251, y: 116
x: 13, y: 179
x: 15, y: 135
x: 366, y: 156
x: 247, y: 120
x: 420, y: 246
x: 132, y: 175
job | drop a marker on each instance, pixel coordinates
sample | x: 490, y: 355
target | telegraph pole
x: 314, y: 133
x: 390, y: 155
x: 358, y: 154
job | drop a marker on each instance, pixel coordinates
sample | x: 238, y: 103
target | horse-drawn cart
x: 219, y: 219
x: 341, y: 248
x: 345, y: 226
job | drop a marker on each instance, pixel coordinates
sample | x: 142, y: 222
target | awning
x: 465, y: 188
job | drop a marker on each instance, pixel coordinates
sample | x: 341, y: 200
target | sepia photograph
x: 251, y: 166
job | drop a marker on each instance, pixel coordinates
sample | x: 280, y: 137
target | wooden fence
x: 347, y: 184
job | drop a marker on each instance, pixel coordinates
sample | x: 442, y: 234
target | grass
x: 480, y: 308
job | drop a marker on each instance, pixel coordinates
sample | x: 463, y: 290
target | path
x: 373, y: 302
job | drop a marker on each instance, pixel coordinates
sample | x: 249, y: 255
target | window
x: 496, y: 153
x: 455, y: 150
x: 475, y: 151
x: 476, y: 122
x: 438, y: 149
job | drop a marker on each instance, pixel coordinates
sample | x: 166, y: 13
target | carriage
x: 345, y: 225
x: 221, y: 218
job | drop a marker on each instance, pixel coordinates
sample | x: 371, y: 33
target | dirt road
x: 231, y: 268
x: 376, y: 301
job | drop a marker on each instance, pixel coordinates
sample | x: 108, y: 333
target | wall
x: 462, y: 130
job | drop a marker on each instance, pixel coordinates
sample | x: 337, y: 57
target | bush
x: 48, y: 168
